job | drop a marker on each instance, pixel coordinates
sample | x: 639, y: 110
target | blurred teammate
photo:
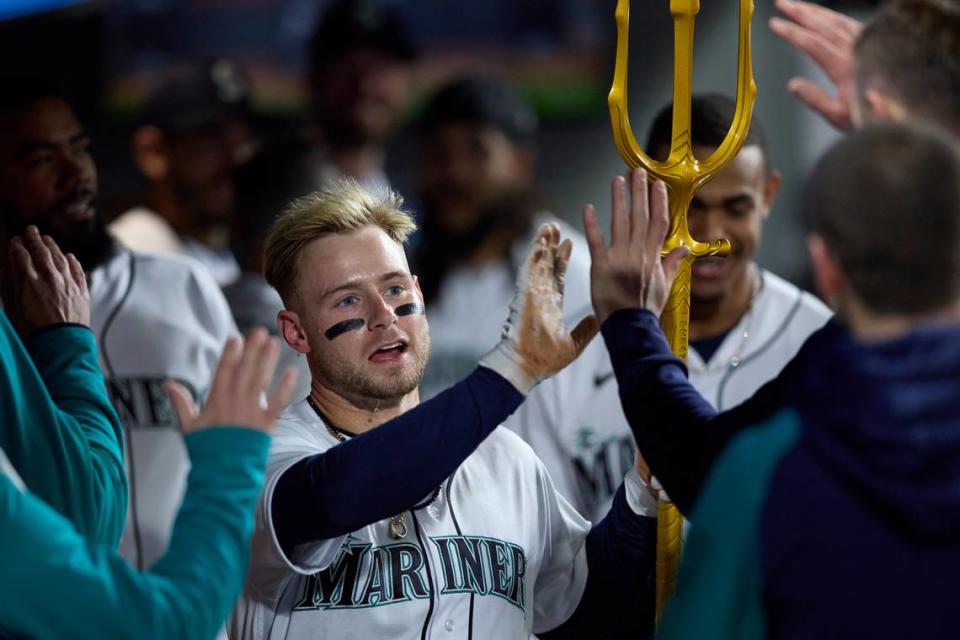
x: 360, y: 79
x: 194, y: 133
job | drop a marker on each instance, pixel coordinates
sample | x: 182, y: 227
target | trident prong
x: 683, y: 175
x: 681, y: 171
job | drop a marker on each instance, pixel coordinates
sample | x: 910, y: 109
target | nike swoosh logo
x: 601, y: 379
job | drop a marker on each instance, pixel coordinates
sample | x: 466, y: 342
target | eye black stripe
x: 343, y: 327
x: 409, y: 309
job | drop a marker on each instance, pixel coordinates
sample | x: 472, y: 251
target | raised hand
x: 535, y: 343
x: 629, y: 273
x: 244, y: 371
x: 44, y: 287
x: 828, y: 38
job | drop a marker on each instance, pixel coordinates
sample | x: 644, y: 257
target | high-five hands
x: 244, y: 371
x: 535, y: 343
x: 828, y: 38
x: 629, y: 273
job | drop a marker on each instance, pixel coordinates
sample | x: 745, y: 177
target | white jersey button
x: 449, y: 625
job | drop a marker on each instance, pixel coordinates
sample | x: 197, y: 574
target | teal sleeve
x: 56, y: 584
x: 720, y: 589
x: 60, y: 431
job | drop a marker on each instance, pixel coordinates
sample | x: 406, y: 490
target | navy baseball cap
x: 484, y: 101
x: 350, y: 24
x: 197, y: 96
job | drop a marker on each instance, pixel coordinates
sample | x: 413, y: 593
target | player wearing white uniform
x: 386, y: 518
x: 479, y: 142
x: 746, y: 323
x: 154, y: 317
x: 193, y: 133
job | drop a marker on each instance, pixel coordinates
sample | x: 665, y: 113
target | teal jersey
x: 59, y: 429
x: 63, y: 499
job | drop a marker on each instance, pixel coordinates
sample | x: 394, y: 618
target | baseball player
x: 746, y: 323
x: 386, y: 518
x: 155, y: 317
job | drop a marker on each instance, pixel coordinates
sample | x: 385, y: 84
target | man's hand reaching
x: 828, y: 38
x: 535, y: 343
x: 629, y: 273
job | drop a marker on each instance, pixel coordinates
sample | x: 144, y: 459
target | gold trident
x: 683, y: 175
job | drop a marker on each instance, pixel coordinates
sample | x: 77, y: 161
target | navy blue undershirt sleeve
x: 677, y: 431
x: 621, y: 564
x: 387, y: 470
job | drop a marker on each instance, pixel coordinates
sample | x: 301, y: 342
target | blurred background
x: 559, y: 53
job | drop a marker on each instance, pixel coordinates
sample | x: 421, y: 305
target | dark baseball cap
x: 197, y: 96
x: 483, y: 101
x: 350, y: 24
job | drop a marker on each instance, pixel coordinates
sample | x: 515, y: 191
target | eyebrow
x: 30, y: 146
x: 354, y: 283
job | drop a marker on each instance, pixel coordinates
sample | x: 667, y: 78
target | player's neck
x: 710, y: 318
x: 359, y: 415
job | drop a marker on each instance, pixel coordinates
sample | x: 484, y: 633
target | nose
x: 73, y: 170
x: 383, y: 316
x: 706, y: 225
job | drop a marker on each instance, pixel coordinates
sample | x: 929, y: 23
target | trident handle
x: 683, y: 175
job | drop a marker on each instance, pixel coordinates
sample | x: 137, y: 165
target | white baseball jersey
x: 588, y: 445
x: 155, y: 317
x: 500, y: 554
x: 142, y: 229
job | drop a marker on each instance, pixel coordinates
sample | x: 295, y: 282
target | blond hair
x: 342, y: 207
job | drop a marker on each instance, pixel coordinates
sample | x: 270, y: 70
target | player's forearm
x: 56, y: 584
x: 679, y: 434
x: 621, y: 560
x: 387, y: 470
x: 667, y: 416
x: 62, y: 432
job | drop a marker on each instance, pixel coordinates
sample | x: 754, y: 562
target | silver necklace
x: 397, y: 525
x: 737, y: 357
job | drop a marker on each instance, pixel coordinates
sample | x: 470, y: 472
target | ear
x: 884, y: 108
x: 771, y: 188
x: 828, y: 279
x: 150, y: 152
x: 288, y: 322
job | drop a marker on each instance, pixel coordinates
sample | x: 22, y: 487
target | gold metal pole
x: 683, y: 175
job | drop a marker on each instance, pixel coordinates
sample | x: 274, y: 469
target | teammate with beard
x: 155, y: 317
x: 745, y: 322
x: 359, y: 81
x: 478, y: 140
x: 386, y: 518
x: 194, y: 133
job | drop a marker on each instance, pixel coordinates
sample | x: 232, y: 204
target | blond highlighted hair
x: 342, y: 207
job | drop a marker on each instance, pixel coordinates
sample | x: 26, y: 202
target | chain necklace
x: 397, y: 526
x: 737, y: 357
